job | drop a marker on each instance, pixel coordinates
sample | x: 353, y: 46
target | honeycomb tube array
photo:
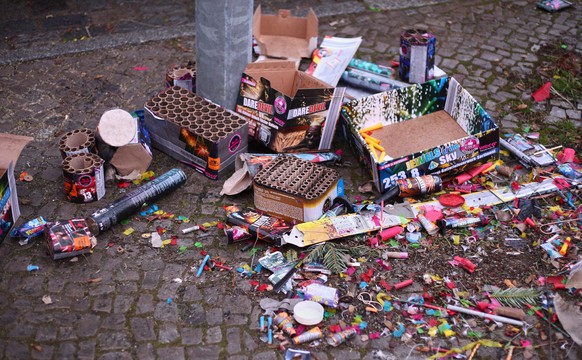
x: 297, y: 177
x: 195, y: 114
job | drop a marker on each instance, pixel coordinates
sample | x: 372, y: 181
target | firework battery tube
x: 312, y: 334
x: 504, y: 170
x: 396, y: 255
x: 121, y: 208
x: 430, y: 227
x: 411, y: 187
x: 453, y: 223
x: 283, y: 322
x: 77, y: 142
x: 389, y: 233
x: 340, y: 337
x: 403, y: 284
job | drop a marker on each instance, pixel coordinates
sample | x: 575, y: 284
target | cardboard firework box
x: 288, y: 110
x: 11, y: 146
x: 436, y: 127
x: 296, y: 189
x: 195, y: 131
x: 68, y: 238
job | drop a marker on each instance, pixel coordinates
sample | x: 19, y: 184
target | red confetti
x: 140, y: 68
x: 254, y: 283
x: 263, y: 287
x: 123, y: 184
x: 432, y: 322
x: 542, y: 93
x: 374, y: 335
x: 174, y: 240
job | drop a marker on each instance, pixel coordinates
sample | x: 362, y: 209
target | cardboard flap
x: 306, y: 81
x: 11, y: 146
x: 284, y: 35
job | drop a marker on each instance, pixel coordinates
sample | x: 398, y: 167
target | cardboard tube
x: 510, y: 312
x: 389, y: 233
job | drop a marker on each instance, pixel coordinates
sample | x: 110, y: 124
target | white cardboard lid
x: 117, y: 127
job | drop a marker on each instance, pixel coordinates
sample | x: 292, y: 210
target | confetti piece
x: 128, y: 231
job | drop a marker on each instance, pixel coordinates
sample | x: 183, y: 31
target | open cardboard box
x: 285, y: 36
x: 288, y: 110
x: 11, y: 146
x: 431, y: 128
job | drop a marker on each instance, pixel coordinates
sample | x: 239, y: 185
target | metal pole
x: 223, y: 48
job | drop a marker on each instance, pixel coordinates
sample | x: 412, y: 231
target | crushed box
x: 296, y: 189
x: 68, y: 238
x: 11, y: 146
x: 288, y: 110
x: 195, y: 131
x: 435, y: 127
x: 285, y: 36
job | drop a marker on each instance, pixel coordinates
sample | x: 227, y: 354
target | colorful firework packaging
x: 84, y: 180
x: 11, y: 146
x: 131, y: 202
x: 417, y: 53
x: 195, y: 131
x: 259, y: 225
x: 295, y: 189
x: 68, y: 238
x: 295, y: 115
x: 433, y: 128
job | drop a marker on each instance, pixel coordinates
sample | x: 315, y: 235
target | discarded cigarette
x: 485, y: 315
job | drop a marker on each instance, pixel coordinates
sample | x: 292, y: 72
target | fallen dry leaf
x: 36, y: 347
x: 96, y: 280
x: 521, y: 107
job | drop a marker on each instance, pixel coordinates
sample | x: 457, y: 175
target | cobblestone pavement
x: 127, y: 314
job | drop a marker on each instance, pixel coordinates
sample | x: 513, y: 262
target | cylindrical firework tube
x: 403, y: 284
x: 389, y: 233
x: 312, y: 334
x: 430, y: 227
x: 452, y: 223
x: 84, y: 178
x: 340, y: 337
x: 80, y: 141
x: 412, y: 186
x: 103, y: 219
x: 471, y: 173
x: 396, y: 255
x: 283, y: 322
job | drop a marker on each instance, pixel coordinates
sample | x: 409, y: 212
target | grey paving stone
x: 87, y: 325
x: 192, y: 293
x: 574, y: 114
x: 213, y: 335
x: 102, y: 304
x: 168, y: 333
x: 233, y: 340
x: 558, y: 112
x: 145, y: 351
x: 174, y: 353
x: 166, y: 312
x: 145, y: 304
x: 143, y: 329
x: 122, y: 303
x: 119, y: 355
x: 267, y: 355
x: 191, y: 336
x: 66, y: 350
x: 87, y: 350
x: 209, y: 352
x: 113, y: 341
x: 214, y: 316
